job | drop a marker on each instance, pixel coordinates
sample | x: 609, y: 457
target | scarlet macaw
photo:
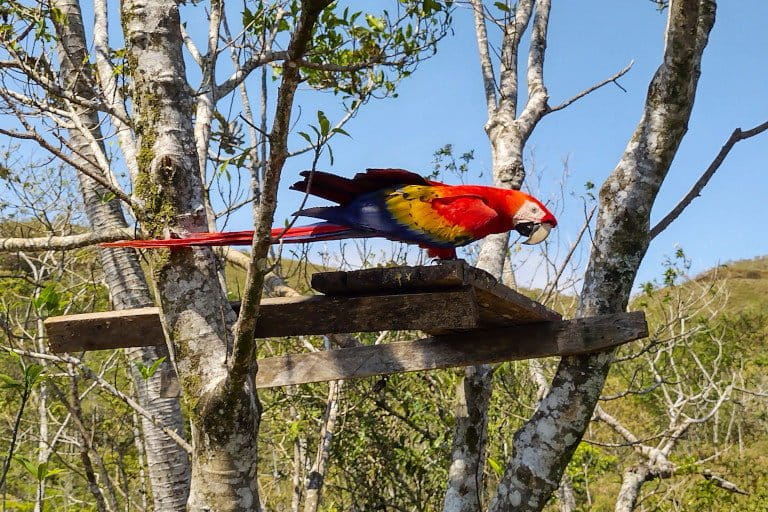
x: 398, y: 205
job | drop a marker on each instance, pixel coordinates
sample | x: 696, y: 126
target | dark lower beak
x: 535, y: 232
x: 525, y: 228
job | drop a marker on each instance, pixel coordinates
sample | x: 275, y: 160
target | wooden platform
x: 472, y: 318
x: 541, y: 339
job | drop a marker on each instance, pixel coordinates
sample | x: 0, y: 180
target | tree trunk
x: 196, y: 315
x: 168, y: 463
x: 507, y: 135
x: 465, y: 475
x: 545, y: 444
x: 631, y: 482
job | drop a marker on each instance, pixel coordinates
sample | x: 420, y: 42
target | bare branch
x: 538, y: 46
x: 594, y: 88
x: 489, y: 81
x: 510, y: 47
x: 736, y: 136
x: 191, y: 47
x: 249, y: 65
x: 33, y: 135
x: 547, y: 293
x: 64, y: 243
x: 339, y: 68
x: 103, y: 383
x: 536, y: 106
x: 722, y: 483
x: 274, y: 285
x: 243, y: 360
x: 327, y: 431
x: 110, y: 91
x: 54, y: 89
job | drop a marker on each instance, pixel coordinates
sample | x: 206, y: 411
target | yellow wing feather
x: 411, y: 206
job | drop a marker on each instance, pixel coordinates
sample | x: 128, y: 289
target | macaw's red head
x: 530, y: 217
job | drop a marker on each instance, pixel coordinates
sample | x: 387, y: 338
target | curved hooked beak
x: 535, y: 232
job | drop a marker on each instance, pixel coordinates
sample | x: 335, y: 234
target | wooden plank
x: 109, y: 329
x: 282, y: 316
x: 559, y: 338
x: 500, y: 305
x: 421, y: 278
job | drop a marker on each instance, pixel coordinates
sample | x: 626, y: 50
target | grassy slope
x: 745, y: 284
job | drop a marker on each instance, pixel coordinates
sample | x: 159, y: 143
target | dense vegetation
x: 390, y: 445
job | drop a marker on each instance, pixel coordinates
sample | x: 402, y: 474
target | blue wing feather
x: 369, y: 213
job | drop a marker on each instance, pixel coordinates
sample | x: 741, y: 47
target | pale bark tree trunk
x: 631, y: 482
x: 214, y: 355
x: 168, y: 463
x: 318, y: 470
x: 565, y: 495
x: 507, y: 135
x: 43, y: 451
x: 545, y: 444
x: 195, y: 312
x: 465, y: 476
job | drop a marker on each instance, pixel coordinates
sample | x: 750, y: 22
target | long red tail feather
x: 294, y: 235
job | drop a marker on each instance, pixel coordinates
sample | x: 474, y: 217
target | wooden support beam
x: 283, y: 316
x: 556, y: 338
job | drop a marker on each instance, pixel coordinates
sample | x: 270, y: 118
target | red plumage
x: 394, y: 204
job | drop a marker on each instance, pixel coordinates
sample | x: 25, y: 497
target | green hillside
x: 746, y: 282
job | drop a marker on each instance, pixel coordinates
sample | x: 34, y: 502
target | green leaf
x: 31, y: 467
x: 58, y: 17
x: 106, y: 197
x: 8, y: 382
x: 48, y: 301
x: 374, y: 22
x: 42, y: 469
x: 53, y: 472
x: 148, y: 371
x: 33, y: 374
x: 307, y: 137
x: 501, y: 6
x: 343, y: 132
x: 325, y: 124
x: 495, y: 466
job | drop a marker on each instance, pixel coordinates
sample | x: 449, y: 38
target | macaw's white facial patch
x: 530, y: 211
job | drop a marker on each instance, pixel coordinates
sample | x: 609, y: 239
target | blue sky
x: 443, y: 103
x: 589, y: 41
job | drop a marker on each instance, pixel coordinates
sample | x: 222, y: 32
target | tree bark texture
x: 465, y: 475
x: 196, y: 315
x: 545, y: 444
x: 507, y: 134
x: 168, y: 463
x: 631, y: 481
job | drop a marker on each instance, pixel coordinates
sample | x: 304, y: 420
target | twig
x: 595, y: 87
x: 111, y: 389
x: 736, y: 136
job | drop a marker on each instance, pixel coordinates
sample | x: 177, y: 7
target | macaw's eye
x: 525, y: 228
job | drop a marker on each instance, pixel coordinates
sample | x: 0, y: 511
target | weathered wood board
x: 555, y: 338
x: 499, y: 304
x: 436, y: 299
x: 473, y: 320
x: 283, y: 316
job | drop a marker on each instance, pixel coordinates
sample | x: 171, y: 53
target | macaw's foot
x: 441, y: 253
